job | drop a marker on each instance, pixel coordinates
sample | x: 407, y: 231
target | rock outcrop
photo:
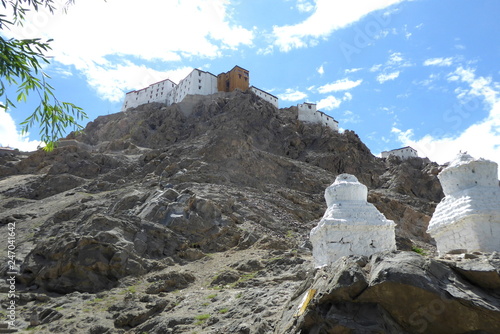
x: 399, y: 292
x: 152, y: 221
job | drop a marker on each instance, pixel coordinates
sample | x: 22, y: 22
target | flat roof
x: 402, y: 148
x: 138, y: 90
x: 263, y: 91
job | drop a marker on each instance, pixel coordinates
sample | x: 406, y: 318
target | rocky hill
x: 194, y: 218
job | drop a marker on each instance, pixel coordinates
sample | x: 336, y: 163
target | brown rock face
x: 148, y: 192
x: 386, y: 293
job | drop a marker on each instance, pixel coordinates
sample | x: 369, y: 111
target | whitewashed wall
x: 196, y: 83
x: 156, y: 92
x: 403, y: 153
x: 308, y: 113
x: 266, y: 96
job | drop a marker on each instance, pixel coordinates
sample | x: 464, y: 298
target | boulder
x: 399, y: 292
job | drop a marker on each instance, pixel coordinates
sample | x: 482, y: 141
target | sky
x: 419, y: 73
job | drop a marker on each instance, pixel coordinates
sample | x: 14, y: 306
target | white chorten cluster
x: 468, y: 217
x: 350, y: 225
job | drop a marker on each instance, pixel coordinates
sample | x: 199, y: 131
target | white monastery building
x: 198, y: 82
x: 350, y: 225
x: 265, y: 95
x: 468, y: 217
x: 308, y: 113
x: 403, y: 153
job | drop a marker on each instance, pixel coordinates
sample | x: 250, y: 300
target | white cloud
x: 392, y: 67
x: 292, y: 95
x: 481, y: 140
x: 383, y: 77
x: 439, y: 62
x: 329, y: 103
x: 111, y: 80
x: 321, y: 70
x: 327, y: 17
x: 339, y: 85
x: 304, y: 6
x: 10, y: 136
x: 94, y: 31
x: 350, y: 117
x: 352, y: 70
x: 395, y: 58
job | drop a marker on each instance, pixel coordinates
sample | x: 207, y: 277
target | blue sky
x: 423, y: 73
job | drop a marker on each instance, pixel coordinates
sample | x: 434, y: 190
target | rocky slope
x: 194, y: 218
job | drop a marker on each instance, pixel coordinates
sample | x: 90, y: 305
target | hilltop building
x: 307, y: 112
x: 468, y: 217
x: 350, y: 225
x: 265, y: 96
x: 403, y: 153
x: 198, y: 82
x: 237, y: 78
x: 6, y: 150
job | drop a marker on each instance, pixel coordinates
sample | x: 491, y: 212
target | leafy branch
x: 21, y: 65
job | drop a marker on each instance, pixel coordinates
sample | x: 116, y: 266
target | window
x: 199, y: 87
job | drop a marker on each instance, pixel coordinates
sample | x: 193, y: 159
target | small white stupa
x: 350, y: 225
x: 468, y: 217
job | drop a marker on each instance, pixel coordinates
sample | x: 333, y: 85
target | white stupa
x: 468, y: 217
x: 350, y: 225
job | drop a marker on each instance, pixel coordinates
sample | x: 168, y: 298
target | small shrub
x: 202, y: 317
x: 418, y: 250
